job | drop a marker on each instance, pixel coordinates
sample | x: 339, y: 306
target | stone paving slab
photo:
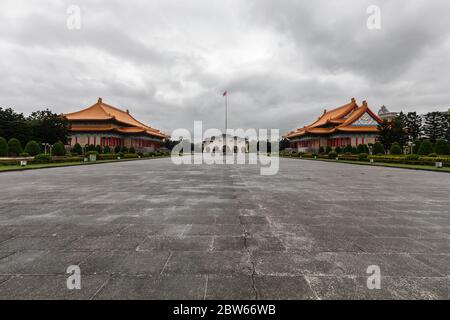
x: 153, y: 230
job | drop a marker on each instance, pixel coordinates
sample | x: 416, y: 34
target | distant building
x: 105, y: 125
x: 226, y: 144
x: 349, y: 124
x: 385, y: 114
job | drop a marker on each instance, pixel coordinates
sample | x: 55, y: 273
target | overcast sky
x: 281, y: 61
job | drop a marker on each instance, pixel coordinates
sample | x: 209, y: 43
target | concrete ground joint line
x: 165, y: 264
x: 101, y: 288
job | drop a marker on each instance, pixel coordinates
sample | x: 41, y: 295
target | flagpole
x: 226, y: 112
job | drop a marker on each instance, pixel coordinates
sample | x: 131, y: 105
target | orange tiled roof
x: 103, y: 111
x: 339, y: 119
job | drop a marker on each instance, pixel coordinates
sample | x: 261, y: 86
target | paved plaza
x: 151, y: 230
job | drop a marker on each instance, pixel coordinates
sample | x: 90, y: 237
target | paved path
x: 151, y: 230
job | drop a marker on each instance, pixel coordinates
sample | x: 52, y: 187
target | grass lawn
x: 382, y: 164
x: 4, y: 168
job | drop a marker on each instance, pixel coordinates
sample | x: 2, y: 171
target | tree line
x: 411, y: 128
x: 42, y: 126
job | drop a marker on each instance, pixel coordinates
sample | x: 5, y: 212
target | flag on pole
x: 225, y: 93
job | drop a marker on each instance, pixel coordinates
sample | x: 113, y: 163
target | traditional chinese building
x: 105, y: 125
x: 349, y: 124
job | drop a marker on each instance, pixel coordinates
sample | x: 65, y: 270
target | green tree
x: 426, y: 147
x: 116, y: 149
x: 32, y: 148
x: 414, y: 125
x: 321, y: 150
x: 49, y: 127
x: 3, y: 147
x: 14, y: 125
x: 284, y: 144
x: 124, y: 149
x: 440, y: 147
x: 99, y: 149
x: 396, y: 148
x: 378, y: 148
x: 436, y: 124
x: 107, y: 149
x: 338, y: 150
x: 132, y: 150
x: 77, y: 149
x: 58, y: 149
x: 14, y: 147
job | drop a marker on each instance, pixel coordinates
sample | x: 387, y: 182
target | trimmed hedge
x: 58, y: 149
x: 14, y: 147
x: 32, y: 148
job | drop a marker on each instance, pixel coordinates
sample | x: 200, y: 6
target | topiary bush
x: 58, y: 149
x: 3, y: 147
x: 132, y: 150
x: 24, y: 154
x: 116, y: 149
x: 124, y: 149
x: 412, y: 157
x: 362, y: 156
x: 396, y: 149
x: 106, y: 149
x: 440, y: 147
x: 348, y: 149
x: 362, y: 148
x: 99, y: 149
x: 77, y: 149
x: 332, y: 154
x: 321, y: 150
x: 32, y: 148
x: 378, y: 148
x: 328, y: 150
x: 426, y: 147
x: 433, y: 155
x: 42, y: 158
x: 14, y: 147
x: 338, y: 150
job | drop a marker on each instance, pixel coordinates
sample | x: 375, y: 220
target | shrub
x: 362, y: 156
x: 362, y: 148
x: 332, y: 154
x: 353, y: 150
x: 58, y: 149
x: 440, y: 147
x: 106, y: 149
x: 416, y: 146
x: 130, y: 155
x: 338, y: 150
x: 327, y: 149
x: 90, y: 147
x: 14, y: 147
x: 32, y: 148
x: 433, y: 155
x: 396, y: 149
x: 42, y: 158
x: 3, y: 147
x: 99, y: 149
x: 132, y: 150
x: 116, y: 149
x: 124, y: 149
x: 378, y: 148
x: 348, y: 149
x: 107, y: 156
x: 77, y: 149
x: 24, y: 154
x: 425, y: 148
x: 321, y: 150
x: 412, y: 157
